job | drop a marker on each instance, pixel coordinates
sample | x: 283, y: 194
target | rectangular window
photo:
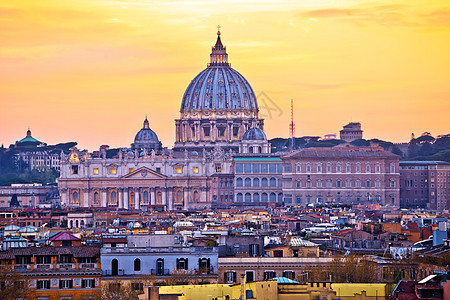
x: 256, y: 168
x: 66, y: 284
x: 289, y: 274
x: 137, y: 286
x: 247, y: 168
x: 272, y: 168
x: 112, y: 171
x: 239, y: 168
x: 218, y: 168
x: 95, y: 171
x: 264, y: 168
x: 195, y: 170
x: 43, y: 284
x: 230, y: 277
x: 88, y: 283
x: 74, y: 170
x: 178, y: 170
x: 130, y: 170
x: 269, y: 275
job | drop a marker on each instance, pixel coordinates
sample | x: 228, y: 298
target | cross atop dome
x: 219, y: 56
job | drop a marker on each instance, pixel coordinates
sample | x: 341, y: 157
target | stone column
x: 164, y: 195
x: 137, y: 198
x: 152, y: 196
x: 85, y: 198
x: 104, y: 199
x: 202, y: 194
x: 170, y: 198
x: 120, y: 197
x: 186, y: 198
x: 230, y: 131
x: 214, y: 132
x: 126, y: 201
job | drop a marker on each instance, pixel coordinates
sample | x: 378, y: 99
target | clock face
x: 74, y: 157
x: 217, y: 154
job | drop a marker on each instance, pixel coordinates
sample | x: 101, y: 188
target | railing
x: 65, y: 266
x: 88, y: 265
x: 44, y: 266
x: 160, y: 272
x: 161, y: 250
x: 21, y: 267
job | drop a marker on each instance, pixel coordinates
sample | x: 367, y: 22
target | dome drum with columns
x: 218, y: 106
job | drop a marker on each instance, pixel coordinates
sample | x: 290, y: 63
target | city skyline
x: 89, y: 71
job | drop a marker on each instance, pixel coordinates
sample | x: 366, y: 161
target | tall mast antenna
x: 292, y: 126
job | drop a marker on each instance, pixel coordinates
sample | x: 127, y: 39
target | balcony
x: 88, y: 266
x: 160, y: 272
x: 65, y: 266
x: 43, y: 266
x: 22, y: 267
x: 160, y: 250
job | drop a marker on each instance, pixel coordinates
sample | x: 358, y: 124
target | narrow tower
x: 292, y: 126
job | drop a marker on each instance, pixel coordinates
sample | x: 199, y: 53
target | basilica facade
x: 218, y: 120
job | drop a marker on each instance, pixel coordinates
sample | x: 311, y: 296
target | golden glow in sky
x: 90, y: 70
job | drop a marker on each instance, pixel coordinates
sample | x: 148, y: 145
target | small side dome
x: 146, y: 139
x: 254, y: 134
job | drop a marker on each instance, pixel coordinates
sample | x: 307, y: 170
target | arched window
x: 113, y: 197
x: 145, y: 196
x: 264, y: 182
x: 96, y: 198
x: 114, y: 267
x: 248, y: 197
x: 196, y: 196
x: 273, y: 182
x: 160, y: 267
x: 239, y: 197
x: 137, y: 264
x: 75, y: 196
x: 264, y: 197
x: 273, y: 197
x: 256, y: 182
x: 179, y: 197
x: 368, y: 184
x: 238, y: 181
x: 248, y: 182
x: 280, y: 197
x: 255, y: 197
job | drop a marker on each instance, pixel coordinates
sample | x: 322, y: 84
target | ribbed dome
x: 146, y: 134
x: 254, y: 134
x: 146, y: 138
x: 219, y: 88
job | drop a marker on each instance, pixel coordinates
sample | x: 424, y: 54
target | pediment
x: 144, y: 173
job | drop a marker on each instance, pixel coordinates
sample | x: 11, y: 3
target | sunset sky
x: 90, y: 70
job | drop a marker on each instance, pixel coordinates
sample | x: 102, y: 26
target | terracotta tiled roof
x: 64, y: 236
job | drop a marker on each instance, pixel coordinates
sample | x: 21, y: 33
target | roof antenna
x: 292, y: 126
